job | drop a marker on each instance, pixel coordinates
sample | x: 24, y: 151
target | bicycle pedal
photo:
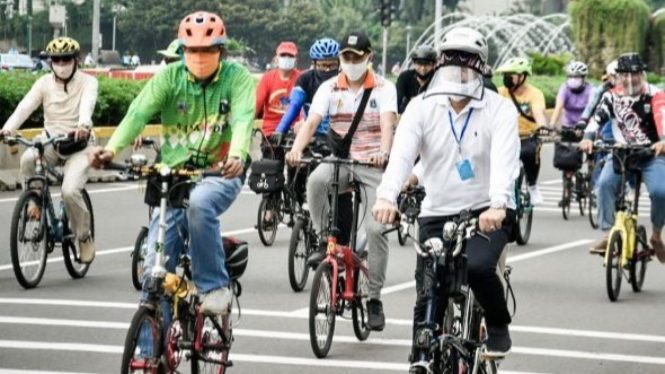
x: 228, y: 364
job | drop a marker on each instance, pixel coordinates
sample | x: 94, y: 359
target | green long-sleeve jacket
x: 200, y: 124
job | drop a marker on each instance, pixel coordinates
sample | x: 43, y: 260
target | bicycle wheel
x: 359, y: 312
x: 143, y: 344
x: 214, y: 355
x: 299, y: 249
x: 638, y: 266
x: 613, y: 271
x: 321, y: 314
x: 592, y: 206
x: 401, y: 236
x: 138, y: 256
x: 268, y: 229
x: 70, y: 247
x: 565, y: 198
x: 582, y: 194
x: 524, y: 216
x: 29, y: 241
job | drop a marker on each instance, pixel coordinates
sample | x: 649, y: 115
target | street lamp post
x: 408, y: 38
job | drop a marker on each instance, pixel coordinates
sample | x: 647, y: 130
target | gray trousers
x: 75, y: 177
x: 369, y: 178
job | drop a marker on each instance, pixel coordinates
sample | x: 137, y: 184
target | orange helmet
x: 202, y: 29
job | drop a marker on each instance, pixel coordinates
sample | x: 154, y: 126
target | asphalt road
x: 564, y: 322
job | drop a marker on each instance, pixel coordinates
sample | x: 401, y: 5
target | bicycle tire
x: 267, y: 236
x: 299, y: 250
x: 401, y: 237
x: 322, y: 279
x: 592, y: 206
x: 18, y: 217
x: 218, y: 363
x: 138, y: 258
x: 153, y: 360
x: 613, y: 271
x: 70, y: 250
x: 524, y: 214
x: 565, y: 199
x: 359, y: 313
x: 638, y: 266
x: 581, y: 193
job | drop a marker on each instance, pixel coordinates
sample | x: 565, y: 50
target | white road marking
x: 107, y: 252
x: 17, y: 371
x: 90, y: 192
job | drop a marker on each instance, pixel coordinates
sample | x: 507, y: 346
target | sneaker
x: 376, y: 320
x: 498, y: 341
x: 87, y: 250
x: 536, y: 197
x: 217, y: 302
x: 418, y: 368
x: 659, y: 249
x: 600, y: 247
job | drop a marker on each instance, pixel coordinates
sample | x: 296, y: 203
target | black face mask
x: 427, y: 76
x: 508, y: 82
x: 325, y: 75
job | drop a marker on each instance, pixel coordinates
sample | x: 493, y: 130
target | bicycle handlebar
x: 13, y: 140
x: 334, y: 161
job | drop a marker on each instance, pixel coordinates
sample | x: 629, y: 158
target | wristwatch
x: 498, y: 205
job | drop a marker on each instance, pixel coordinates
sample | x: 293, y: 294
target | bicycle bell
x: 449, y: 231
x: 139, y: 160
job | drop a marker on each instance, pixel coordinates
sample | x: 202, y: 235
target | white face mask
x: 354, y: 71
x: 574, y: 83
x: 286, y: 63
x: 63, y: 71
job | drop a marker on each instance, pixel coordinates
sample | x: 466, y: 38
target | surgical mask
x: 508, y: 81
x: 63, y: 72
x: 354, y: 71
x: 202, y: 65
x: 286, y: 63
x: 574, y: 83
x: 325, y: 75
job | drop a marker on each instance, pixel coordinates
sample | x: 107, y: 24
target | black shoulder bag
x: 339, y: 146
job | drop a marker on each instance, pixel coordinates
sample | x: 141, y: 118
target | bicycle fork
x: 158, y: 270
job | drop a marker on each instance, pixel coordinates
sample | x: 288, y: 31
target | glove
x: 580, y: 125
x: 276, y: 138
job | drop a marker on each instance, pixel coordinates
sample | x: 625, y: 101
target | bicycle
x: 407, y: 201
x: 279, y: 199
x: 341, y: 281
x: 627, y: 247
x: 457, y: 342
x: 523, y: 209
x: 206, y: 339
x: 577, y: 184
x: 41, y: 234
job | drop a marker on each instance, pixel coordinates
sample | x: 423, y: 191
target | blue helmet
x: 324, y: 48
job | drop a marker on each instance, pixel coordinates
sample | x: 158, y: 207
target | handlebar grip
x: 147, y: 142
x: 212, y: 173
x: 116, y: 166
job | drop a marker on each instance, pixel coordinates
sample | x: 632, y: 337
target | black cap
x: 356, y: 42
x: 630, y: 63
x: 424, y: 53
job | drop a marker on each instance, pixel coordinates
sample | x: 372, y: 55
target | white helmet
x: 611, y: 68
x: 577, y: 68
x: 465, y: 39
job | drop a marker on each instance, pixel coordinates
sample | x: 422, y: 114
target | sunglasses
x: 461, y: 58
x: 57, y: 59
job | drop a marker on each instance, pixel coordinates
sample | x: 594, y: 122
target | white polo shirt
x: 490, y: 143
x: 335, y: 99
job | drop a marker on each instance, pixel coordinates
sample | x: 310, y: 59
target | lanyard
x: 452, y: 127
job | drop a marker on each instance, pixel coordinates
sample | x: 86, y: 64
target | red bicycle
x: 341, y: 281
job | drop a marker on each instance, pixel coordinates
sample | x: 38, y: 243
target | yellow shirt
x: 530, y: 99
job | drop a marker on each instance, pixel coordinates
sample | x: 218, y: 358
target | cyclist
x: 207, y: 114
x: 635, y: 109
x: 530, y: 103
x: 470, y: 161
x: 339, y: 98
x: 488, y: 74
x: 68, y: 97
x: 171, y: 53
x: 609, y: 81
x: 573, y: 96
x: 412, y: 82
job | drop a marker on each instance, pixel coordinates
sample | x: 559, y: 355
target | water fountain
x: 510, y: 36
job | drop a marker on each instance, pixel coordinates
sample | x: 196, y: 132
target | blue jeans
x: 653, y: 175
x: 207, y: 201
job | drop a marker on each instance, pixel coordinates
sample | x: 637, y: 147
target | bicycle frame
x: 625, y: 221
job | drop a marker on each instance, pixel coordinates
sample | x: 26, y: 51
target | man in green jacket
x: 207, y: 114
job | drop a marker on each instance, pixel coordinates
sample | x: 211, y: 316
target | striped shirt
x: 335, y: 99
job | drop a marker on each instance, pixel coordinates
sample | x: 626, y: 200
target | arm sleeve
x: 31, y: 101
x: 261, y: 96
x: 243, y: 100
x: 321, y: 101
x: 505, y: 155
x: 588, y: 111
x: 296, y: 102
x: 538, y: 102
x: 658, y: 105
x: 561, y: 95
x: 602, y: 114
x: 88, y: 102
x: 147, y: 104
x: 402, y: 98
x: 419, y: 172
x: 403, y: 154
x: 388, y: 99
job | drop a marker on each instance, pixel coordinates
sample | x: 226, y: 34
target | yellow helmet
x: 63, y: 47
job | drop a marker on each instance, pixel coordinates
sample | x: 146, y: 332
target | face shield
x: 459, y: 77
x: 632, y: 82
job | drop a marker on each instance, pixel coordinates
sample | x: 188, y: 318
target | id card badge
x: 465, y: 170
